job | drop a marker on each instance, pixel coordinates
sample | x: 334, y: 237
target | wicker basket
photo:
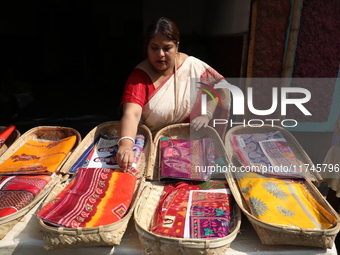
x: 40, y: 134
x: 268, y: 233
x: 10, y: 140
x: 146, y: 207
x: 108, y: 235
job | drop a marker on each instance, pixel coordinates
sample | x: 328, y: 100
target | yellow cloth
x: 283, y: 202
x: 38, y: 157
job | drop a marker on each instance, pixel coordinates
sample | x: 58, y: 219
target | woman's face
x: 162, y: 53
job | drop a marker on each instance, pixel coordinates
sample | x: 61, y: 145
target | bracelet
x: 126, y: 137
x: 210, y: 114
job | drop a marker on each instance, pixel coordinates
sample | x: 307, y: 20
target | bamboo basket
x: 10, y: 140
x: 39, y: 134
x: 270, y: 234
x: 108, y: 235
x: 145, y: 209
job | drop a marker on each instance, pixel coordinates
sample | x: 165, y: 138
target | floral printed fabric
x: 283, y: 202
x: 174, y: 211
x: 209, y: 214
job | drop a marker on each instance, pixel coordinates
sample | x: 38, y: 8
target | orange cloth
x: 38, y: 157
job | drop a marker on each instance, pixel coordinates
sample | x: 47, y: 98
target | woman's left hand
x: 199, y: 122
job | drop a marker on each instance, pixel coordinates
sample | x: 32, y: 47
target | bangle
x: 126, y: 137
x: 210, y: 114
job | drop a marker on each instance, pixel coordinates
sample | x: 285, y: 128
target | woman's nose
x: 161, y: 52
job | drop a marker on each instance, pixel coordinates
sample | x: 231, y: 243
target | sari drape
x: 164, y: 108
x: 95, y: 197
x: 38, y: 157
x: 283, y: 202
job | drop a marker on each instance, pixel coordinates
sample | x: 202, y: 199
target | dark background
x: 66, y: 62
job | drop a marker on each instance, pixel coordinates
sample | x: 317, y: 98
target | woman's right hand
x: 125, y: 156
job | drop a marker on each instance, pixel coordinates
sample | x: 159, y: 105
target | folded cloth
x: 171, y: 217
x: 102, y: 154
x: 184, y: 159
x: 95, y: 197
x: 16, y: 192
x: 283, y: 202
x: 209, y: 214
x: 267, y: 153
x: 38, y: 157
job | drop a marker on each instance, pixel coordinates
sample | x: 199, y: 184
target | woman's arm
x: 129, y: 125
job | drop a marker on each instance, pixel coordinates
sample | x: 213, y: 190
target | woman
x: 166, y: 89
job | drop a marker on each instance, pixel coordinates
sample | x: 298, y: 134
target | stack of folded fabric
x: 189, y: 210
x: 99, y: 194
x: 27, y: 171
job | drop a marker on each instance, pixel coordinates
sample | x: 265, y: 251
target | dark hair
x: 162, y: 26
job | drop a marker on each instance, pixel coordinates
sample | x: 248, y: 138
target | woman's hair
x: 162, y: 26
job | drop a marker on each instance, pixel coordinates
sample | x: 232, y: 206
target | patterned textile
x: 95, y: 197
x: 104, y: 148
x: 171, y: 213
x: 186, y: 159
x: 268, y: 153
x: 38, y: 157
x: 16, y: 192
x: 248, y: 150
x: 283, y: 202
x: 209, y: 215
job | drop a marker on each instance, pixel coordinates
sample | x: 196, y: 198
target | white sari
x: 178, y: 97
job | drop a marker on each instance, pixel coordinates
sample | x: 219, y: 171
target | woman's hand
x: 200, y: 121
x: 125, y: 157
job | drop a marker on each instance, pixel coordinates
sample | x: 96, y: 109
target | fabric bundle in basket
x: 35, y: 157
x: 185, y: 159
x: 193, y: 210
x: 29, y: 169
x: 288, y: 196
x: 102, y: 152
x: 95, y: 197
x: 267, y: 153
x: 149, y: 205
x: 97, y: 225
x: 16, y: 192
x: 283, y: 202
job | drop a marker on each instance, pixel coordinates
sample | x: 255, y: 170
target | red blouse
x: 138, y: 88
